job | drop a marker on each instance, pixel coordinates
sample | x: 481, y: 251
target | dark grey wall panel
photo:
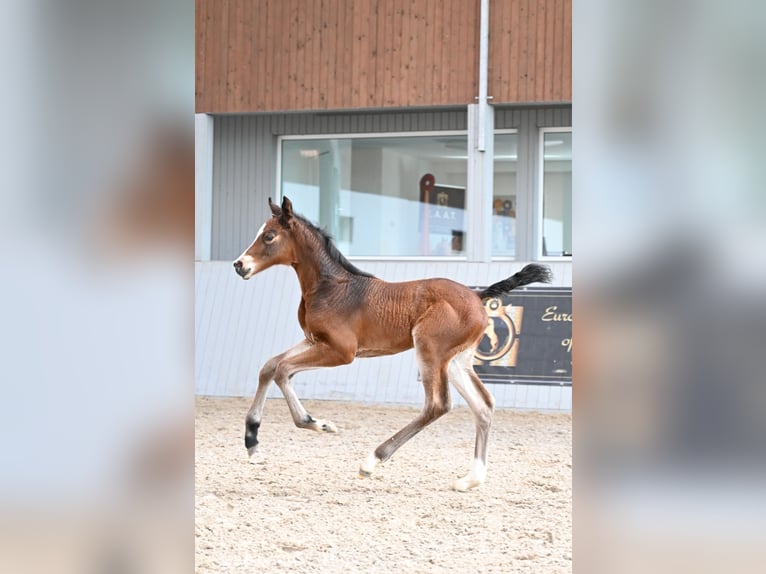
x: 244, y: 160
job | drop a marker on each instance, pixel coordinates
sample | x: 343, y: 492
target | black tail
x: 532, y: 273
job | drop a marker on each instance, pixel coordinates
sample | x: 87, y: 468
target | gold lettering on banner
x: 551, y: 315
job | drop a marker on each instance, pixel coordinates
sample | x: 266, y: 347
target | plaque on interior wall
x: 442, y: 217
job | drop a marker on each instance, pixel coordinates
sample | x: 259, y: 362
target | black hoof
x: 251, y: 435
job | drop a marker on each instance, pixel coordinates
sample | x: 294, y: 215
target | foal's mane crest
x: 332, y: 251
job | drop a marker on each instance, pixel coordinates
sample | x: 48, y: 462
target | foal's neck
x: 315, y: 265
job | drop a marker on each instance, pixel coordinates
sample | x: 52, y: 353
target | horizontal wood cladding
x: 530, y: 57
x: 283, y: 55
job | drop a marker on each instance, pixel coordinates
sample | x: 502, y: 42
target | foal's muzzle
x: 240, y: 268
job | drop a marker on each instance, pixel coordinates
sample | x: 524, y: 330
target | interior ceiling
x: 558, y: 146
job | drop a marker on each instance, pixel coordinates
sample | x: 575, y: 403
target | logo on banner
x: 500, y: 344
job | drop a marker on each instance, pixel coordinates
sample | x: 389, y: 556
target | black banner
x: 528, y: 338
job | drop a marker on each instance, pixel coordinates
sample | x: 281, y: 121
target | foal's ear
x: 287, y: 207
x: 274, y: 208
x: 285, y: 213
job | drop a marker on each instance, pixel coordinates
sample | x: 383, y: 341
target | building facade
x: 430, y: 138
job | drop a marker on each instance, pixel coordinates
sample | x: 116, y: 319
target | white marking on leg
x: 475, y: 477
x: 368, y: 465
x: 325, y: 426
x: 461, y: 380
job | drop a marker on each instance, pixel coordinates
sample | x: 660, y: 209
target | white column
x: 203, y: 186
x: 480, y: 185
x: 483, y: 134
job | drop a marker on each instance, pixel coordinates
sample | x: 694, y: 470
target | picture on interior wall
x: 442, y: 218
x: 504, y: 225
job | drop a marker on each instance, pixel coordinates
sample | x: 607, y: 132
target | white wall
x: 240, y: 324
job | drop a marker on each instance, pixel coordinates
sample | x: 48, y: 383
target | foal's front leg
x: 302, y: 357
x: 253, y: 419
x: 315, y: 356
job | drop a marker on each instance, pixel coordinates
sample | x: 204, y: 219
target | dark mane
x: 332, y: 251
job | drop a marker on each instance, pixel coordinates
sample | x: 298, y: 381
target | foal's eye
x: 269, y: 237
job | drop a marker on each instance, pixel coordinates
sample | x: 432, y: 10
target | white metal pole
x: 483, y: 66
x: 203, y: 186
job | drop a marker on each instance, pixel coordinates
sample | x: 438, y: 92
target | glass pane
x: 557, y: 194
x: 373, y: 194
x: 504, y: 196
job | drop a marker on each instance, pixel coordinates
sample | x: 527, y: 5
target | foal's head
x: 274, y: 243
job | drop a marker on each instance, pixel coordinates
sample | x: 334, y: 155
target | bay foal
x: 346, y: 313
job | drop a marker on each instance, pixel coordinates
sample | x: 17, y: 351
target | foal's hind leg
x: 481, y: 403
x: 433, y: 372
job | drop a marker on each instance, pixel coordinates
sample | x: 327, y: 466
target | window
x: 556, y: 196
x: 504, y: 197
x: 381, y: 196
x: 404, y: 195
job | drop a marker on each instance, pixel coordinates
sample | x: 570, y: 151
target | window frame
x: 539, y: 189
x: 521, y: 222
x: 373, y: 135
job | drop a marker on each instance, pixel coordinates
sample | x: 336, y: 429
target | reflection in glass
x: 366, y: 192
x: 504, y: 196
x: 557, y: 194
